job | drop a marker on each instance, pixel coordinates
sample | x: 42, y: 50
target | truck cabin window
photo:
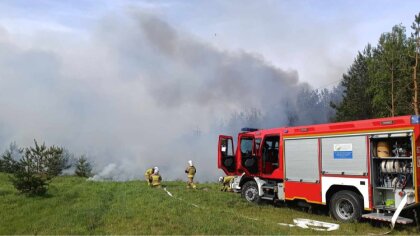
x: 270, y: 154
x: 257, y: 145
x: 227, y: 147
x: 228, y: 158
x: 246, y: 146
x: 249, y: 160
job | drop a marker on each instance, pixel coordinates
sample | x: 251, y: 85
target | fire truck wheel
x: 346, y: 206
x: 250, y: 192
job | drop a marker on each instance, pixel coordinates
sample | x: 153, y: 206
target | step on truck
x: 365, y: 168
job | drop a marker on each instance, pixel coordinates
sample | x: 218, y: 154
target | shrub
x: 83, y: 167
x: 58, y: 159
x: 9, y: 158
x: 36, y: 168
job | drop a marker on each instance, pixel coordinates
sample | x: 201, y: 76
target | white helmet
x: 221, y: 179
x: 155, y: 169
x: 190, y: 163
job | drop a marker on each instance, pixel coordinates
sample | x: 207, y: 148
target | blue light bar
x: 248, y: 129
x: 415, y: 119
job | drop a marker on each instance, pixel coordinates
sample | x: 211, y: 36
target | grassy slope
x: 75, y: 206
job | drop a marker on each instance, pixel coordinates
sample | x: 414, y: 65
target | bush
x: 9, y: 158
x: 36, y: 168
x: 83, y: 167
x: 58, y: 159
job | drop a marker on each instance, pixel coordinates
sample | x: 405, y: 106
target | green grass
x: 76, y: 206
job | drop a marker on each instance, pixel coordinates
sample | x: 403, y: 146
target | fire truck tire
x: 346, y: 206
x: 250, y: 192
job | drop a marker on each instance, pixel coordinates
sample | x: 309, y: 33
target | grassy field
x: 77, y: 206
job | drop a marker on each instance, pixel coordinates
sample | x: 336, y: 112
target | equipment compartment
x: 392, y: 169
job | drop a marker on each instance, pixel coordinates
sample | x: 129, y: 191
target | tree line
x: 383, y: 79
x: 32, y: 168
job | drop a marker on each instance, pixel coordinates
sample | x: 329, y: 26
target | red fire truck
x: 358, y: 169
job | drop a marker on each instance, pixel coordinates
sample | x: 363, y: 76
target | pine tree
x: 9, y: 158
x: 357, y: 101
x: 389, y: 70
x: 57, y: 161
x: 36, y: 168
x: 31, y: 175
x: 83, y: 167
x: 415, y: 36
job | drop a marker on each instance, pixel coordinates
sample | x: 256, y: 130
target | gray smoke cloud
x: 136, y: 92
x: 109, y: 172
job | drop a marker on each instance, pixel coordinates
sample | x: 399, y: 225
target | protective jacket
x: 190, y: 171
x: 227, y: 179
x: 155, y: 180
x: 149, y: 172
x: 147, y: 175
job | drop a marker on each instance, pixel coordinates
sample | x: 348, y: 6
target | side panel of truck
x: 310, y: 192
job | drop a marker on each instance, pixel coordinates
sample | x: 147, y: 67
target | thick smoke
x: 136, y: 92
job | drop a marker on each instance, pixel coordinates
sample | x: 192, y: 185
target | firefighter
x: 226, y: 181
x: 148, y: 173
x: 155, y: 179
x: 190, y: 170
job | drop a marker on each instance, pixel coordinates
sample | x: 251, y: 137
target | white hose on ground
x: 299, y: 222
x: 312, y: 224
x: 315, y: 225
x: 170, y: 194
x: 180, y: 199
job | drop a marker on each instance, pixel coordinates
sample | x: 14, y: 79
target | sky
x: 135, y: 84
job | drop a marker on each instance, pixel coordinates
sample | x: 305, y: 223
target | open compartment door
x: 226, y: 155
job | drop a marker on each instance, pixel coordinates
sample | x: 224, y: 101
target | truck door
x: 226, y: 155
x: 247, y: 154
x: 270, y: 154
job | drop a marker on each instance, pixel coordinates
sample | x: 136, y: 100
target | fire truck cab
x: 366, y: 168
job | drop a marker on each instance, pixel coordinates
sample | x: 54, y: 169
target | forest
x: 383, y: 79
